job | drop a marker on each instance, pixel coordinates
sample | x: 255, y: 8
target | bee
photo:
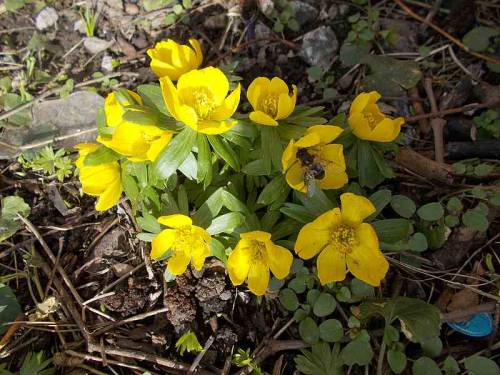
x: 313, y: 170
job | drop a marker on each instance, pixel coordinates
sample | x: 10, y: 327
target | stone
x: 46, y: 18
x: 216, y: 21
x: 79, y: 26
x: 319, y: 47
x: 95, y: 45
x: 107, y: 64
x: 304, y: 13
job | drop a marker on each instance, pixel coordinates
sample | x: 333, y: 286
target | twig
x: 451, y: 111
x: 141, y: 356
x: 199, y: 357
x: 11, y: 330
x: 461, y: 315
x: 437, y: 124
x: 444, y: 33
x: 424, y: 125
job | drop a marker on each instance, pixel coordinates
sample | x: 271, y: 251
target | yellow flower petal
x: 201, y: 233
x: 334, y: 154
x: 256, y: 235
x: 162, y: 243
x: 360, y: 126
x: 286, y: 103
x: 355, y: 208
x: 199, y: 254
x: 311, y: 241
x: 158, y: 145
x: 215, y: 127
x: 362, y: 100
x: 178, y: 262
x: 258, y: 88
x: 289, y: 156
x: 213, y: 79
x: 83, y: 150
x: 262, y: 118
x: 387, y: 130
x: 331, y: 265
x: 228, y: 107
x: 258, y: 278
x: 110, y: 196
x: 238, y: 263
x: 295, y: 178
x: 175, y: 221
x: 114, y: 110
x: 280, y: 260
x: 308, y: 140
x: 333, y: 179
x: 198, y: 52
x: 278, y: 86
x: 326, y: 133
x: 366, y: 261
x: 95, y: 179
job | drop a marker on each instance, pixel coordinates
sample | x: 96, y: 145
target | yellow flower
x: 170, y: 59
x: 199, y: 100
x: 187, y: 242
x: 136, y: 142
x: 367, y: 122
x: 344, y: 243
x: 270, y: 100
x: 313, y: 158
x: 103, y: 180
x: 252, y: 258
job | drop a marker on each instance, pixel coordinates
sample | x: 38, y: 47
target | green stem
x: 381, y: 354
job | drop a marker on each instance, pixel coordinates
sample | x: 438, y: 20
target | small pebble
x: 46, y: 18
x: 131, y: 8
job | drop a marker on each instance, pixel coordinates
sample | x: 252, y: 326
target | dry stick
x: 424, y: 125
x: 461, y: 315
x: 444, y: 33
x: 437, y: 124
x: 199, y: 357
x: 131, y: 319
x: 11, y: 330
x: 108, y: 350
x: 88, y: 357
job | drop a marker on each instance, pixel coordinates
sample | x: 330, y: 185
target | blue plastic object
x: 479, y: 325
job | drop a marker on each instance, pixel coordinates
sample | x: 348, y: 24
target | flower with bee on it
x: 368, y: 123
x: 344, y: 242
x: 270, y: 100
x: 313, y: 159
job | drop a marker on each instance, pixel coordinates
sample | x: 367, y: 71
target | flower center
x: 203, y: 102
x: 185, y: 240
x: 259, y: 252
x: 372, y: 121
x: 270, y: 105
x: 342, y: 238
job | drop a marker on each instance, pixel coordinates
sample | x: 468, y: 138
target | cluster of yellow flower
x: 201, y: 101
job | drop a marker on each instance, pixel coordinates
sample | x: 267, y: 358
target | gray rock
x: 95, y: 45
x: 262, y: 31
x: 69, y: 121
x: 266, y: 6
x: 216, y: 22
x: 107, y: 64
x: 46, y: 18
x: 319, y: 47
x: 79, y: 26
x: 304, y: 12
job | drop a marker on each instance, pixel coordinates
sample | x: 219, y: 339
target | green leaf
x: 130, y: 187
x: 152, y: 96
x: 13, y: 5
x: 204, y: 160
x: 421, y: 321
x: 380, y: 199
x: 189, y: 167
x: 403, y: 206
x: 297, y: 212
x: 12, y: 206
x: 226, y: 223
x: 361, y: 290
x: 289, y: 299
x: 425, y: 366
x: 101, y: 156
x: 475, y: 220
x: 275, y: 189
x: 177, y: 151
x: 431, y: 211
x: 344, y: 294
x: 309, y: 331
x: 224, y: 151
x: 218, y: 250
x: 352, y: 54
x: 369, y: 172
x: 450, y: 366
x: 331, y: 330
x: 208, y: 210
x: 391, y: 334
x: 148, y: 223
x: 477, y: 365
x: 397, y: 361
x: 182, y: 200
x: 478, y: 39
x: 357, y: 352
x: 482, y: 169
x: 324, y: 305
x: 418, y: 242
x: 9, y: 307
x: 320, y: 360
x: 454, y: 205
x: 392, y: 230
x: 432, y: 347
x: 255, y: 168
x: 272, y: 148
